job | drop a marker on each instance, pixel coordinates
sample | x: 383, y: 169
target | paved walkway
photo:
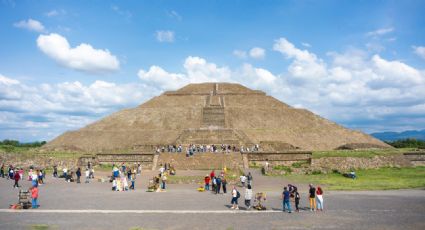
x: 94, y: 206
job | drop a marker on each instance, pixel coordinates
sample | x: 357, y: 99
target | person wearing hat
x: 207, y: 182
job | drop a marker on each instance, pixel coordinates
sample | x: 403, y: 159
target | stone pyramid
x: 212, y: 113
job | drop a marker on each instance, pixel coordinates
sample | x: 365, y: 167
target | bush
x: 407, y: 143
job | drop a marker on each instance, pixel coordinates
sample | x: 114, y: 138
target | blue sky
x: 65, y: 64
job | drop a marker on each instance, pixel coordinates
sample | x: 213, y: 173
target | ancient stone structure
x: 211, y: 113
x: 416, y: 158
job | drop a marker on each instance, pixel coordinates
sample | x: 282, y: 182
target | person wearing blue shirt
x: 285, y: 197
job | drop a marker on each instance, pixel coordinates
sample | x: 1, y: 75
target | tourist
x: 235, y: 197
x: 91, y: 173
x: 78, y: 173
x: 114, y: 185
x: 319, y: 196
x: 218, y: 185
x: 16, y: 177
x: 34, y: 179
x: 207, y: 182
x: 40, y: 176
x: 161, y: 169
x: 2, y: 171
x: 224, y: 183
x: 34, y: 196
x: 214, y: 184
x: 133, y: 181
x: 139, y: 169
x: 21, y: 173
x: 297, y: 199
x: 163, y: 180
x: 115, y: 172
x: 65, y: 172
x: 123, y: 167
x: 55, y: 171
x: 87, y: 175
x: 248, y: 196
x: 249, y: 177
x: 11, y: 172
x: 312, y: 193
x: 285, y: 197
x: 243, y: 179
x: 129, y: 174
x: 124, y: 183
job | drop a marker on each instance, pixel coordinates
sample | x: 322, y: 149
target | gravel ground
x: 182, y: 207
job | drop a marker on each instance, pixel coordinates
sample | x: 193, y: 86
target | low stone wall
x: 286, y: 158
x: 344, y: 164
x: 417, y: 158
x: 38, y: 161
x: 201, y: 161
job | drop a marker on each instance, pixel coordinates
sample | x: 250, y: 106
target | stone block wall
x: 202, y: 161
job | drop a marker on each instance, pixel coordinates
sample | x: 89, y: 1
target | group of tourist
x: 123, y: 175
x: 315, y: 196
x: 192, y: 149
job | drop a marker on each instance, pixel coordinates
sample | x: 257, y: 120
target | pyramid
x: 212, y: 113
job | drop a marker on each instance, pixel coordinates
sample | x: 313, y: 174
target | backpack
x: 238, y: 194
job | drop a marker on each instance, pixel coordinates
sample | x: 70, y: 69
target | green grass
x: 367, y: 179
x: 368, y: 153
x: 42, y: 227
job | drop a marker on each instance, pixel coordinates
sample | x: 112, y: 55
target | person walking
x: 286, y: 195
x: 297, y: 198
x: 312, y: 197
x: 16, y: 177
x: 2, y: 171
x: 224, y: 183
x: 34, y: 196
x: 55, y: 171
x: 87, y: 175
x: 218, y: 186
x: 207, y: 182
x: 133, y: 181
x: 249, y: 177
x: 248, y: 196
x: 319, y: 196
x: 164, y: 180
x: 235, y: 197
x: 78, y: 173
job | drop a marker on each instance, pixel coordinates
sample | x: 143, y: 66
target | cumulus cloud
x: 82, y: 57
x: 165, y: 36
x: 30, y: 24
x: 55, y: 108
x: 420, y: 51
x: 257, y: 53
x: 305, y: 65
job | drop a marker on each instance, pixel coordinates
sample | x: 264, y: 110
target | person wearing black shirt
x: 312, y: 192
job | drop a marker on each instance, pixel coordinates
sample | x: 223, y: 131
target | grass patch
x: 287, y: 169
x: 367, y: 153
x: 42, y: 227
x: 368, y: 179
x: 185, y: 179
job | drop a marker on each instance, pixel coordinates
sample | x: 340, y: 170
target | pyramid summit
x: 212, y: 113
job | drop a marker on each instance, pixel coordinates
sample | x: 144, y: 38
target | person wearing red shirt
x: 34, y: 196
x: 207, y: 180
x: 17, y: 178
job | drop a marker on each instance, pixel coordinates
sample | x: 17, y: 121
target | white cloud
x: 174, y: 14
x: 419, y: 50
x: 239, y: 53
x: 125, y: 13
x: 82, y: 57
x: 165, y: 36
x: 305, y: 65
x: 305, y: 44
x: 257, y: 53
x: 54, y: 13
x: 55, y: 108
x: 30, y: 24
x: 380, y: 32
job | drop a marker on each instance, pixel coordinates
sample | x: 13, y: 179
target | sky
x: 66, y: 64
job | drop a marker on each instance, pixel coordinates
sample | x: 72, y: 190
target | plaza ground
x: 94, y: 206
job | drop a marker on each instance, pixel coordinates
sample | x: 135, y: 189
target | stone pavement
x: 95, y: 206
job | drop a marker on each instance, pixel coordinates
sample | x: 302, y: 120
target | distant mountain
x: 393, y: 136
